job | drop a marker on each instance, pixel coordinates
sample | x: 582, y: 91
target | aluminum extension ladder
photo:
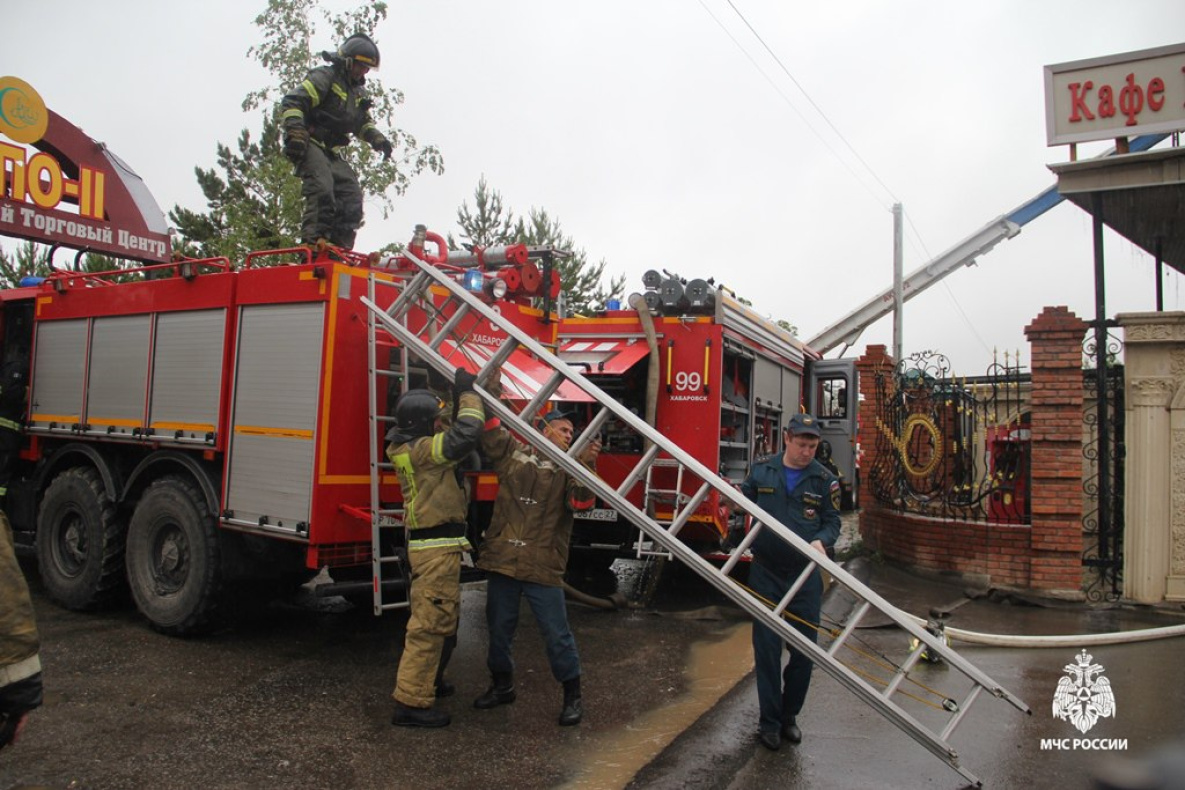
x: 423, y: 322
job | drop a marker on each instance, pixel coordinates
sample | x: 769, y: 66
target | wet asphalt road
x: 293, y: 695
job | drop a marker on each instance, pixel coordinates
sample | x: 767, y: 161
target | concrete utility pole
x: 898, y: 290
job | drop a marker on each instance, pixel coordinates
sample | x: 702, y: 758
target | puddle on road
x: 614, y: 757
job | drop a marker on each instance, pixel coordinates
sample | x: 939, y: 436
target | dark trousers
x: 503, y: 595
x: 781, y: 692
x: 332, y: 198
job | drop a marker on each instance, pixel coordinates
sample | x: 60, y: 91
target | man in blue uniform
x: 801, y: 494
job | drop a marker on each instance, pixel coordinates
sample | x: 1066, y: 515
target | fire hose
x: 1056, y: 640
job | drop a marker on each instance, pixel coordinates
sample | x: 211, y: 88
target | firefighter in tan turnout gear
x: 435, y: 508
x: 20, y: 662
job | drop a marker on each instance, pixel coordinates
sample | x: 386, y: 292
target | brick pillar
x: 1056, y: 339
x: 876, y: 358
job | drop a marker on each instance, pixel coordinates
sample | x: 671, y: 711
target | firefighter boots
x: 407, y: 716
x: 500, y: 692
x: 573, y: 706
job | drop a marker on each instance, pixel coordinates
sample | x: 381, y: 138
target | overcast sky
x: 662, y: 134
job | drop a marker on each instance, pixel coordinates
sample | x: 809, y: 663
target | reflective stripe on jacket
x: 432, y: 497
x: 330, y: 108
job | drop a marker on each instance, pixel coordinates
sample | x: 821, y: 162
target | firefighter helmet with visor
x: 361, y: 49
x: 416, y: 412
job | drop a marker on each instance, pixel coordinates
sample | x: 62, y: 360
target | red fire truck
x: 194, y: 424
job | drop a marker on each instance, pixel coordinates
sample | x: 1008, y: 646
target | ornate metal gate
x: 953, y: 447
x: 1102, y: 482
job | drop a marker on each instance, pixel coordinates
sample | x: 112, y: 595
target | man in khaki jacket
x: 20, y: 662
x: 525, y: 552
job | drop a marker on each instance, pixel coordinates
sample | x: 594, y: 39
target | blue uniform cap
x: 803, y: 425
x: 556, y: 414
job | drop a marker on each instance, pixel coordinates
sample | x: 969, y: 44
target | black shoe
x: 573, y: 710
x: 791, y: 732
x: 445, y: 689
x: 770, y: 740
x: 407, y: 716
x: 572, y: 713
x: 500, y: 692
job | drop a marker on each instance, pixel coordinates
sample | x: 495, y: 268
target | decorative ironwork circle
x: 927, y: 423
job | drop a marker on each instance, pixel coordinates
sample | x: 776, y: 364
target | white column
x: 1154, y: 350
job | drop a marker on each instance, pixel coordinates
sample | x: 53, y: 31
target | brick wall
x: 1046, y: 556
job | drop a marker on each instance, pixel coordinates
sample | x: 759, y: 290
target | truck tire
x: 174, y: 559
x: 80, y: 542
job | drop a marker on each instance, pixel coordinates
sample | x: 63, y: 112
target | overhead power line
x: 835, y: 130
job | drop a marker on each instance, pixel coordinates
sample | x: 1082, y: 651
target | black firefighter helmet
x: 361, y: 48
x: 416, y: 412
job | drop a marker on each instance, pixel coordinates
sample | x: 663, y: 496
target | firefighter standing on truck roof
x: 318, y: 117
x: 802, y: 495
x: 435, y: 509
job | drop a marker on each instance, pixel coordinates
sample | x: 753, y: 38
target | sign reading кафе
x: 1116, y: 96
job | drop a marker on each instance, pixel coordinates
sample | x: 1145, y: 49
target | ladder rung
x: 449, y: 325
x: 853, y: 619
x: 689, y: 509
x: 388, y: 373
x: 794, y: 588
x: 411, y: 292
x: 639, y: 469
x: 903, y: 671
x: 386, y: 607
x: 958, y: 717
x: 544, y: 394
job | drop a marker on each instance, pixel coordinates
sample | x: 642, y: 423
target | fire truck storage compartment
x: 187, y: 375
x: 269, y: 477
x: 59, y: 375
x: 89, y: 388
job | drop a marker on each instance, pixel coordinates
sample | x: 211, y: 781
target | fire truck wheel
x: 173, y: 559
x: 80, y: 542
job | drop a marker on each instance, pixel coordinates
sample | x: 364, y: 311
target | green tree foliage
x: 490, y: 223
x: 253, y: 196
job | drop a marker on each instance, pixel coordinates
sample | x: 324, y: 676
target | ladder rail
x: 744, y: 598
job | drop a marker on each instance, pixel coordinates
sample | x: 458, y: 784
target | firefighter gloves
x: 296, y: 142
x: 463, y: 382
